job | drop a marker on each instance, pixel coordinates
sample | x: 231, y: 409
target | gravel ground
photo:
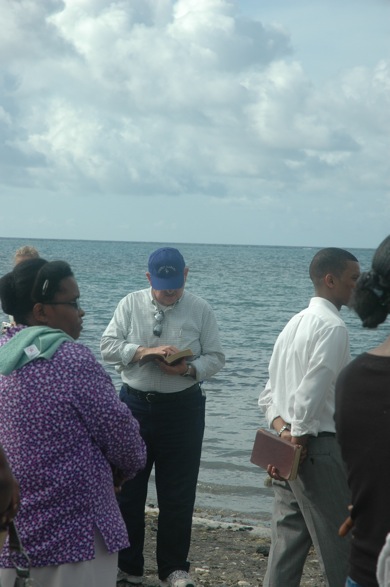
x: 225, y: 554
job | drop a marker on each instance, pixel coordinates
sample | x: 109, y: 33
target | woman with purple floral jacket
x: 64, y: 431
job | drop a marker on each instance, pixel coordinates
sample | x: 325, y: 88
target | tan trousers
x: 98, y: 572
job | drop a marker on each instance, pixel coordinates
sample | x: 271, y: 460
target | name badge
x: 31, y: 351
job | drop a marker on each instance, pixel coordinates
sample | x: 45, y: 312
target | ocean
x: 254, y: 290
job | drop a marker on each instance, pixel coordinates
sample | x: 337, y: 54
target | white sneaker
x: 178, y: 579
x: 123, y: 577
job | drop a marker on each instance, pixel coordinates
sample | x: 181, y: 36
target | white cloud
x: 178, y: 99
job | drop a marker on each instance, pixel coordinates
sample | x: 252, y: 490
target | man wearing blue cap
x: 169, y: 403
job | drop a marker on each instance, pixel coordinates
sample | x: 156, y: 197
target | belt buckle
x: 149, y: 397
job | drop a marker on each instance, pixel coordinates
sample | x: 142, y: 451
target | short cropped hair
x: 330, y: 260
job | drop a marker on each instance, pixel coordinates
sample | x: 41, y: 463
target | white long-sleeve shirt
x: 189, y: 323
x: 308, y: 355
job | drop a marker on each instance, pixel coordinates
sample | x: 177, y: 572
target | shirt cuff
x: 303, y: 428
x: 271, y: 413
x: 128, y: 353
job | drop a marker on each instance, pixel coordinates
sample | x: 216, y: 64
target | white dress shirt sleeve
x: 212, y: 358
x: 266, y: 404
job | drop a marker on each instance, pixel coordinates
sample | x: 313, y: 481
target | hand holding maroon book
x: 270, y: 449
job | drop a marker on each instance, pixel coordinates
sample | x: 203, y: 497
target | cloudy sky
x: 215, y: 121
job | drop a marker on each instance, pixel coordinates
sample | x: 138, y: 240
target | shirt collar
x: 160, y: 306
x: 318, y: 301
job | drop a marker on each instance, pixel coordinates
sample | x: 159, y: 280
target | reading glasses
x: 75, y: 304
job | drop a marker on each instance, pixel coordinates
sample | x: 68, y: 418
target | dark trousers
x: 173, y: 433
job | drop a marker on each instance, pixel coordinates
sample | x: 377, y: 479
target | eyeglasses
x: 76, y: 304
x: 159, y: 317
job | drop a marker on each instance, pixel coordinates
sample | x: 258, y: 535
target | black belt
x: 324, y: 434
x: 158, y: 397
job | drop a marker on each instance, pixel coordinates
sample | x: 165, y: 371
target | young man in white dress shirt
x: 298, y: 403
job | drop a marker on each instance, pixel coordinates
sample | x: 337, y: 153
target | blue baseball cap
x: 166, y: 267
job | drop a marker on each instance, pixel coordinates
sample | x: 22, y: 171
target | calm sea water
x: 254, y: 291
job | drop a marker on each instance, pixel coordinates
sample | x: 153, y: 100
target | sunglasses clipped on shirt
x: 159, y: 317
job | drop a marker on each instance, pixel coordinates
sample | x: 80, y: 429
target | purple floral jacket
x: 62, y: 426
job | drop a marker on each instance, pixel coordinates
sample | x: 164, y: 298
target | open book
x: 270, y: 449
x: 169, y: 360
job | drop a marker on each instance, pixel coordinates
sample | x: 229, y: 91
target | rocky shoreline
x: 224, y: 554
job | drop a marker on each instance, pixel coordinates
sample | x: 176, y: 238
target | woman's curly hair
x: 371, y: 299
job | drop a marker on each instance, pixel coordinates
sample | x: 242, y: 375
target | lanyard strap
x: 16, y: 551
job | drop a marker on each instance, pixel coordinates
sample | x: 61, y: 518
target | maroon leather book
x: 270, y: 449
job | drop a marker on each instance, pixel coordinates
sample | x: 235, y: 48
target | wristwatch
x: 283, y: 428
x: 188, y: 373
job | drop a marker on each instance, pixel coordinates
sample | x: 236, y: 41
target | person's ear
x: 39, y: 313
x: 148, y: 276
x: 329, y: 280
x: 185, y: 273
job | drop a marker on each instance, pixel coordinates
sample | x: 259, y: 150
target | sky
x: 259, y: 122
